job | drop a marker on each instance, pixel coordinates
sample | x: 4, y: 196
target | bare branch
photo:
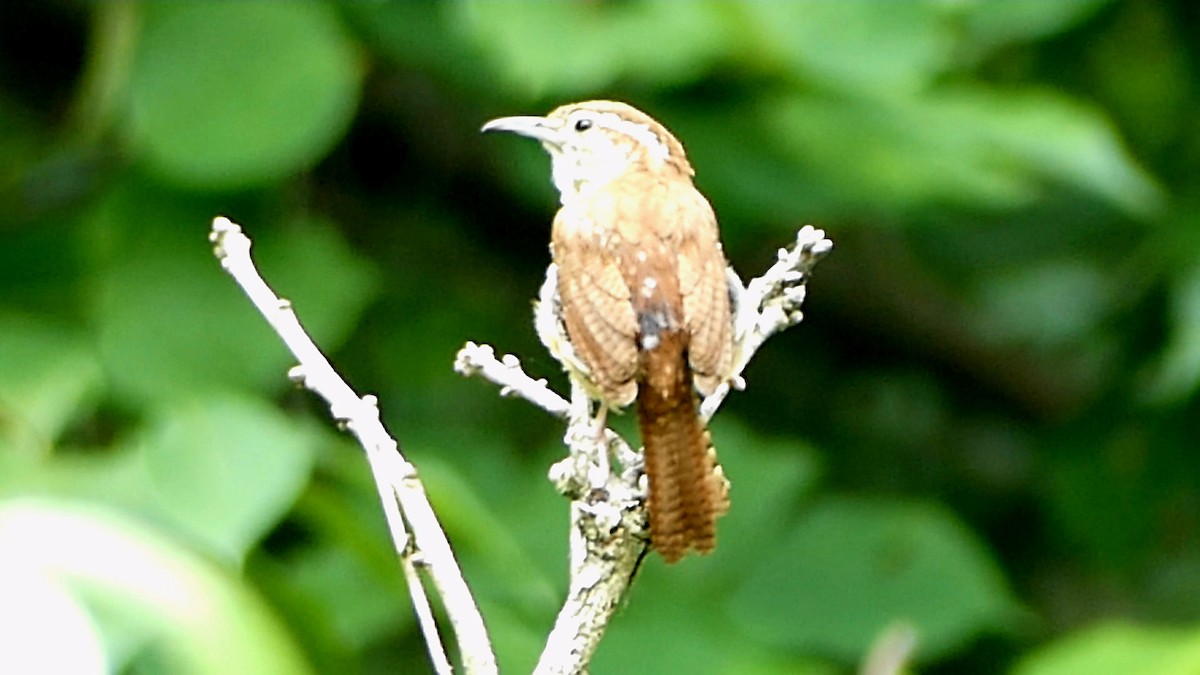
x: 506, y: 371
x: 403, y: 497
x: 608, y: 542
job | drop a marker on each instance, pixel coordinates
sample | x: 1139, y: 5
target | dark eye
x: 583, y: 124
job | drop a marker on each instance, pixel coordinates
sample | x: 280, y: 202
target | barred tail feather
x: 687, y: 491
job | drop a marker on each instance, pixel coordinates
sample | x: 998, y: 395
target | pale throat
x: 578, y: 174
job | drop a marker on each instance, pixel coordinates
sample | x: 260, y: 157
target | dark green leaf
x: 852, y: 568
x: 171, y: 323
x: 1027, y: 304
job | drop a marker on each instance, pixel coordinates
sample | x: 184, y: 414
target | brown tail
x: 687, y: 492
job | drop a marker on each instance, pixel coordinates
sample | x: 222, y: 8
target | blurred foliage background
x: 985, y: 429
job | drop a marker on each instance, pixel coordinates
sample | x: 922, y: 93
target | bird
x: 644, y: 297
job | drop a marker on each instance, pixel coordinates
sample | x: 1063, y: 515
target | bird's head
x: 595, y: 142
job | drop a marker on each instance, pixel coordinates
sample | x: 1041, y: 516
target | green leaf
x: 1097, y: 501
x: 1025, y: 305
x: 967, y: 146
x: 1176, y: 374
x: 201, y: 618
x: 329, y: 283
x: 852, y: 568
x: 991, y: 24
x: 226, y: 468
x: 1054, y: 138
x: 339, y: 581
x: 858, y: 46
x: 171, y: 323
x: 47, y: 375
x: 361, y: 607
x: 767, y: 477
x: 1139, y: 66
x: 231, y: 94
x: 1118, y: 649
x: 679, y: 628
x: 422, y: 35
x: 573, y: 48
x: 675, y: 619
x: 470, y: 518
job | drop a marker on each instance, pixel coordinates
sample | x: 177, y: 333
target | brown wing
x: 599, y: 316
x: 705, y: 291
x: 630, y: 258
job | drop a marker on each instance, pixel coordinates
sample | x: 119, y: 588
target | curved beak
x: 539, y: 128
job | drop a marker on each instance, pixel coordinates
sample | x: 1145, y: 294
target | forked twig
x: 405, y: 504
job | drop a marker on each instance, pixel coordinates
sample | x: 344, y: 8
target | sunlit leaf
x: 203, y: 619
x: 577, y: 48
x: 1118, y: 649
x: 866, y: 46
x: 43, y: 626
x: 230, y: 94
x: 960, y: 146
x: 226, y: 469
x: 1056, y: 139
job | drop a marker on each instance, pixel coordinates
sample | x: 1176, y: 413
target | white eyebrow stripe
x: 639, y: 132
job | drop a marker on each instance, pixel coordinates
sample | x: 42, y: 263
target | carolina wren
x: 644, y: 297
